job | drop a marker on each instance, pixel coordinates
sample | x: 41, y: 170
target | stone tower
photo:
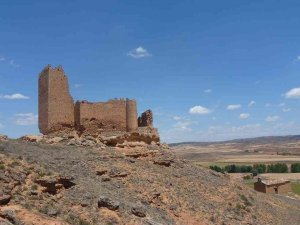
x: 56, y: 106
x: 131, y: 116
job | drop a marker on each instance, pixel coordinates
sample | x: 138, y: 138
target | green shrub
x: 260, y: 168
x: 216, y: 168
x: 34, y: 187
x: 278, y: 168
x: 254, y: 172
x: 238, y: 169
x: 245, y: 169
x: 295, y: 168
x: 2, y: 166
x: 232, y: 168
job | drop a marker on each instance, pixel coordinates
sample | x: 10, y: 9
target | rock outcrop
x: 3, y: 138
x: 56, y: 184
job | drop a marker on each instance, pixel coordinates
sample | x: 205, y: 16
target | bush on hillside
x: 217, y: 168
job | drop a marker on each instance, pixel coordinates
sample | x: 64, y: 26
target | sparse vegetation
x: 2, y: 166
x: 187, y: 183
x: 246, y: 200
x: 84, y: 222
x: 14, y: 164
x: 34, y: 187
x: 247, y: 177
x: 296, y: 188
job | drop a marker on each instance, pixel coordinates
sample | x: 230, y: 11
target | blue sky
x: 210, y: 70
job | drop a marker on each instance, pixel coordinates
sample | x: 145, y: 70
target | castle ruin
x: 58, y: 112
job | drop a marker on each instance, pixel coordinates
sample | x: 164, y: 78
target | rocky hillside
x: 59, y: 184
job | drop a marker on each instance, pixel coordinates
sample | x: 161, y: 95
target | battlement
x: 47, y: 69
x: 58, y: 112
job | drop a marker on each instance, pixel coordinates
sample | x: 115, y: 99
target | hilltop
x: 255, y: 140
x: 59, y: 184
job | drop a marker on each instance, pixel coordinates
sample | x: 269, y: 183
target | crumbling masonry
x: 57, y: 111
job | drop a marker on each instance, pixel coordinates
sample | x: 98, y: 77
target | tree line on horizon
x: 257, y: 168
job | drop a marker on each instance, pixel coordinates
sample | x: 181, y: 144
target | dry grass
x: 278, y: 176
x: 260, y: 158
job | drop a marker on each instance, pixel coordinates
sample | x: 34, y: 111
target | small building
x: 273, y: 186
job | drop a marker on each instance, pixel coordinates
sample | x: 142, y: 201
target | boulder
x: 66, y: 181
x: 136, y: 144
x: 4, y: 199
x: 10, y: 215
x: 54, y: 140
x: 32, y: 138
x: 138, y: 210
x: 105, y: 178
x: 53, y: 184
x: 101, y: 171
x: 49, y: 183
x: 116, y: 172
x: 106, y: 202
x: 52, y: 212
x: 163, y: 162
x: 5, y: 222
x: 72, y: 142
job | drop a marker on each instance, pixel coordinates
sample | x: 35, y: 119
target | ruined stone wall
x: 58, y: 114
x: 114, y: 115
x: 258, y: 186
x: 281, y: 188
x: 146, y: 119
x: 56, y: 106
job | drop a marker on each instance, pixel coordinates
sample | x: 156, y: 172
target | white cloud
x: 251, y: 103
x: 228, y: 132
x: 233, y: 107
x: 208, y: 91
x: 12, y: 63
x: 267, y: 105
x: 198, y: 109
x: 282, y: 104
x: 245, y: 127
x: 15, y: 96
x: 272, y: 118
x: 298, y: 57
x: 9, y: 61
x: 176, y: 118
x: 77, y: 85
x: 25, y: 119
x: 286, y: 109
x: 244, y: 116
x: 293, y: 93
x: 139, y: 52
x: 183, y: 125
